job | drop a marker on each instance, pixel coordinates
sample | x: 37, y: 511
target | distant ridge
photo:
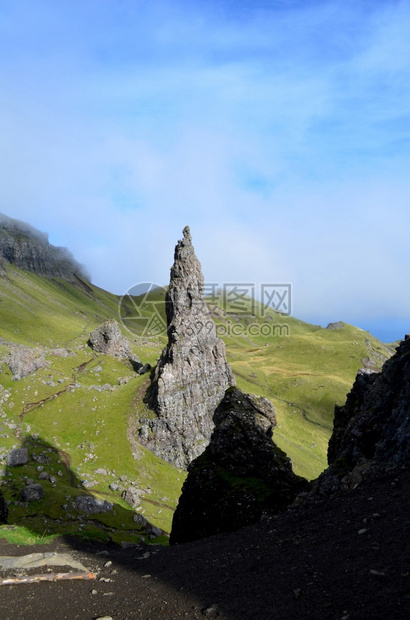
x: 29, y: 249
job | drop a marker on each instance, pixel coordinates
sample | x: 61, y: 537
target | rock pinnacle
x: 192, y: 373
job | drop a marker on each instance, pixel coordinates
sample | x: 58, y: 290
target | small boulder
x: 132, y: 497
x: 108, y: 339
x: 32, y: 493
x: 23, y: 361
x: 100, y: 471
x: 16, y: 457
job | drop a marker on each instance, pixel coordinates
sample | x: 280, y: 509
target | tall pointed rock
x: 192, y: 373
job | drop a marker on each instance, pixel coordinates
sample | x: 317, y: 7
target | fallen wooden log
x: 11, y: 581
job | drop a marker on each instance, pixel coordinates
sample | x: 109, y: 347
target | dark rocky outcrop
x: 32, y: 492
x: 29, y: 249
x: 4, y: 511
x: 241, y: 474
x: 108, y: 339
x: 336, y: 325
x: 91, y: 505
x: 371, y: 430
x: 192, y: 374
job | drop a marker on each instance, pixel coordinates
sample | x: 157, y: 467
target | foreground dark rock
x: 4, y: 511
x: 108, y: 339
x: 29, y: 249
x: 192, y: 374
x: 241, y: 474
x: 371, y: 430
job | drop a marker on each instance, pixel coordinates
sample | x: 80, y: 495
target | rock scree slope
x: 192, y: 373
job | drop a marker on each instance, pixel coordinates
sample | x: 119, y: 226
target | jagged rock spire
x: 192, y: 373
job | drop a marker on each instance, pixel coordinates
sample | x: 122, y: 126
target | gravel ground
x: 344, y: 559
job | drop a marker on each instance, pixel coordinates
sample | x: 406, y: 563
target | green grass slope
x: 81, y: 406
x: 79, y: 412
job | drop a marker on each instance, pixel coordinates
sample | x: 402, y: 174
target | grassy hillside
x: 79, y: 411
x: 304, y: 370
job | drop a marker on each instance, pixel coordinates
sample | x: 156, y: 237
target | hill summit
x: 29, y: 249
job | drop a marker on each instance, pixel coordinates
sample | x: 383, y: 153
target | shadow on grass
x: 180, y: 572
x: 67, y: 508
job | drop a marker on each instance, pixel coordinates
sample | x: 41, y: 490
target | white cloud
x: 276, y: 130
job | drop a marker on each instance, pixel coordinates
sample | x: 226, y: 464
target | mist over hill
x: 29, y: 249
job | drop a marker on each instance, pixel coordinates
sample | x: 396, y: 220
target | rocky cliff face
x: 241, y: 474
x: 192, y: 374
x: 372, y: 429
x: 29, y: 249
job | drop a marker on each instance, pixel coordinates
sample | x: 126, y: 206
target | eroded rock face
x: 371, y: 430
x: 192, y: 374
x: 241, y: 474
x: 108, y: 339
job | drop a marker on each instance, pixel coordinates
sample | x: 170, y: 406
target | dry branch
x: 45, y: 577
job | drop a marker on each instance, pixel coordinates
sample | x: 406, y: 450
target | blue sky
x: 279, y: 130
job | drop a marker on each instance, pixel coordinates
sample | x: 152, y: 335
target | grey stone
x: 132, y: 497
x: 100, y: 471
x: 16, y: 457
x: 32, y: 493
x: 336, y: 325
x: 192, y: 374
x: 38, y: 560
x: 43, y: 476
x: 108, y: 339
x: 91, y: 505
x: 23, y: 361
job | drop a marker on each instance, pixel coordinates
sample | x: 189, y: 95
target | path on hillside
x: 31, y: 406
